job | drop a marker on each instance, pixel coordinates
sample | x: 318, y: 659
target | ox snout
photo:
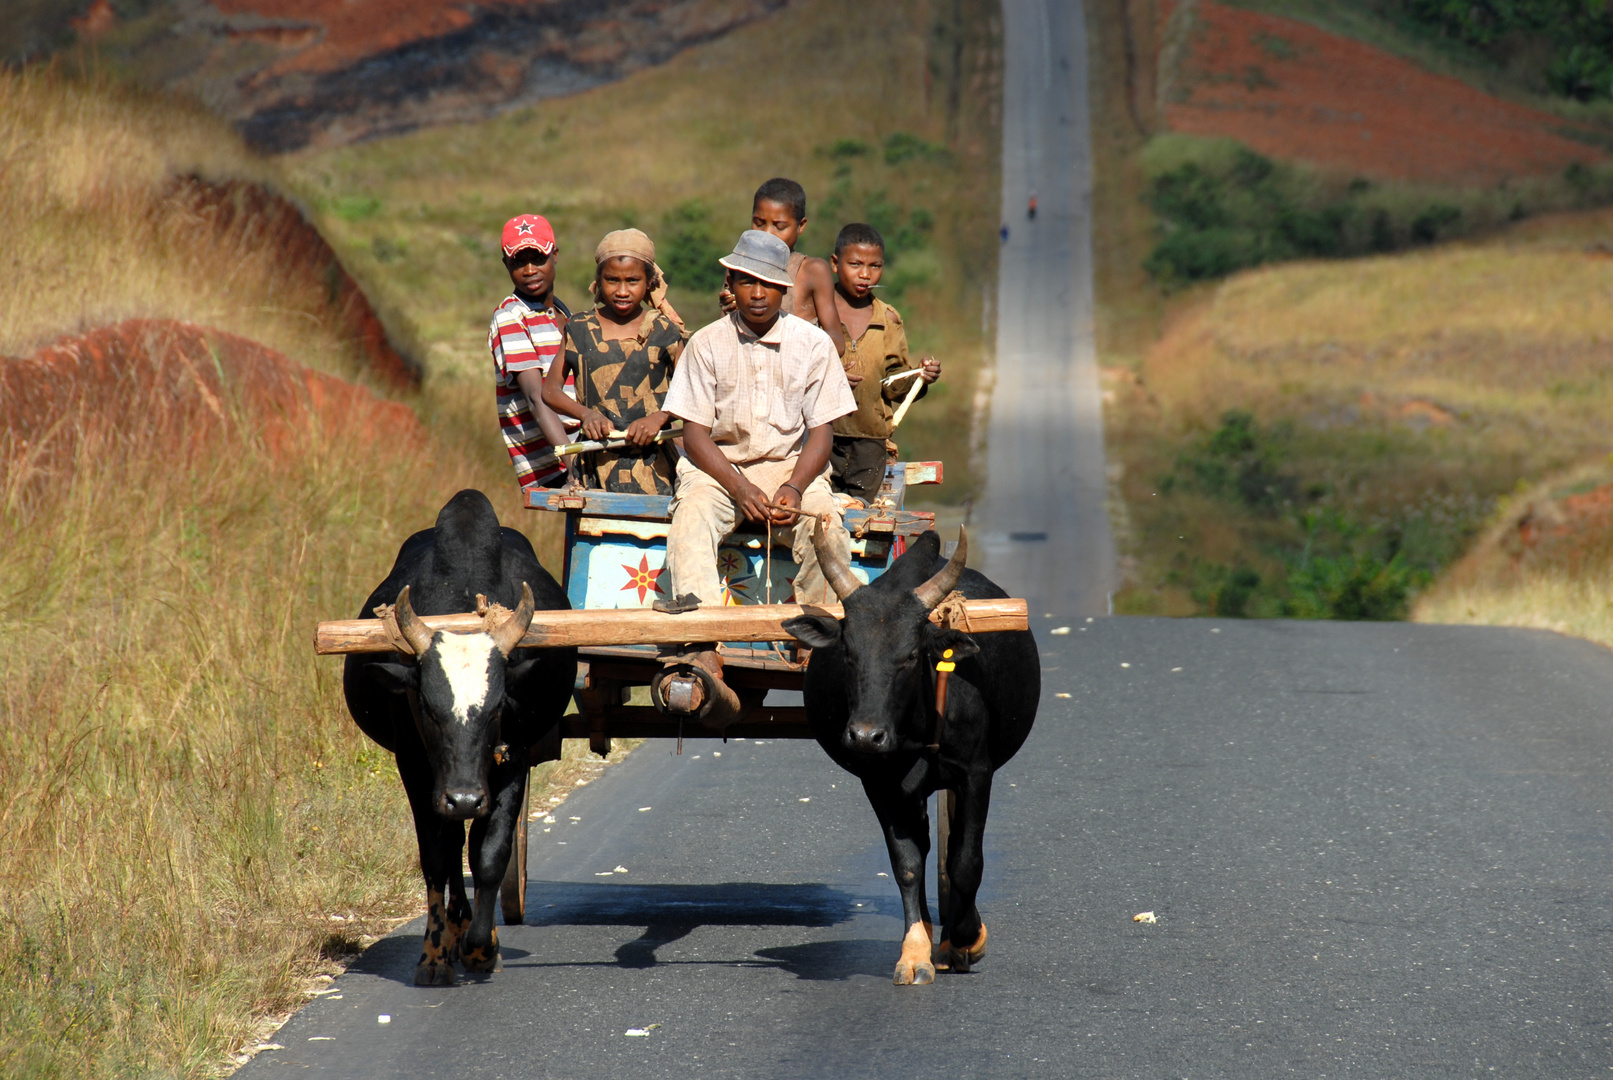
x: 462, y: 803
x: 868, y: 737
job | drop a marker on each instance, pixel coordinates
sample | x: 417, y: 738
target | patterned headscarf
x: 635, y: 244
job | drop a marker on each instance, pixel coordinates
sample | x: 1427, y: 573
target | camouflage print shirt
x: 626, y: 379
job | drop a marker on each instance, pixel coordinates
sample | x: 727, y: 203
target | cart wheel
x: 512, y: 891
x: 946, y: 801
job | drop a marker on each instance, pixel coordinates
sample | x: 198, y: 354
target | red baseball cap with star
x: 528, y: 231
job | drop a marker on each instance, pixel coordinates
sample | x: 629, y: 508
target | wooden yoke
x: 644, y: 626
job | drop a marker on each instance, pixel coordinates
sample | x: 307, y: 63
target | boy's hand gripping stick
x: 617, y: 440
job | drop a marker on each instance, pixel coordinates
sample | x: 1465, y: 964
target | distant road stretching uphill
x: 1042, y: 527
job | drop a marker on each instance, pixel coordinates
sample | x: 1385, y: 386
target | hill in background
x: 294, y: 73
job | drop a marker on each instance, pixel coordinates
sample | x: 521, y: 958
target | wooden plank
x: 922, y: 472
x: 599, y: 503
x: 887, y: 522
x: 642, y: 626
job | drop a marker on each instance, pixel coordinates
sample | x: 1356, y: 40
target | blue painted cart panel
x: 616, y: 547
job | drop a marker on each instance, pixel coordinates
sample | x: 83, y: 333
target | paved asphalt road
x: 1041, y: 528
x: 1373, y: 851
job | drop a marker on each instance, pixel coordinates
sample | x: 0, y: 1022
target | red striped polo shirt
x: 524, y: 336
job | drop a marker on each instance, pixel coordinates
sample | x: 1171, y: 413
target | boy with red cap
x: 527, y: 334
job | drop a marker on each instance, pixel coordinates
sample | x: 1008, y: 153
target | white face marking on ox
x: 464, y: 659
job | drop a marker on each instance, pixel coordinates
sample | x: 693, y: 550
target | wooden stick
x: 912, y: 396
x: 642, y: 626
x: 617, y: 440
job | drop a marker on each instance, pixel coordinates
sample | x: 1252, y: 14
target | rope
x: 951, y: 612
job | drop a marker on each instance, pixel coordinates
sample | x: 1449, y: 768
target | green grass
x: 1326, y: 438
x: 839, y: 103
x: 1221, y: 207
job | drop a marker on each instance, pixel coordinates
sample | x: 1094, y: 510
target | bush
x: 687, y: 251
x: 1237, y: 461
x: 1578, y: 36
x: 1221, y: 208
x: 1351, y: 587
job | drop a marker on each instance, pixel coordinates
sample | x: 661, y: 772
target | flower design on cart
x: 643, y: 578
x: 732, y: 563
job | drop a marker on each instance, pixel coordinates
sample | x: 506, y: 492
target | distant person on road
x: 1030, y: 211
x: 1002, y: 233
x: 618, y: 363
x: 779, y: 207
x: 876, y: 353
x: 525, y: 338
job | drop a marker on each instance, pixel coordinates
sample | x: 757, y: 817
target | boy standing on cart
x: 525, y: 337
x: 876, y: 363
x: 757, y: 391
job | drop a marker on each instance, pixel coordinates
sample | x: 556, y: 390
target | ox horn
x: 835, y: 569
x: 508, y: 634
x: 412, y: 629
x: 935, y: 590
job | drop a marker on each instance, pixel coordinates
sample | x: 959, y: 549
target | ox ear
x: 818, y: 631
x: 962, y: 645
x: 394, y: 678
x: 519, y: 671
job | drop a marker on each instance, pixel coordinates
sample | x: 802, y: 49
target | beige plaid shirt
x: 759, y: 395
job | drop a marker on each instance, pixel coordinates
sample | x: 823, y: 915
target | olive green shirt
x: 878, y: 354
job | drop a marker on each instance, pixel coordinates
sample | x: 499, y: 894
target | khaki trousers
x: 703, y: 515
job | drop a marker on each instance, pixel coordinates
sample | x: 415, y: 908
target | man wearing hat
x: 757, y: 391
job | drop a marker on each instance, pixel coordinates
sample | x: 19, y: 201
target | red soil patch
x: 183, y: 388
x: 1292, y: 91
x: 262, y: 224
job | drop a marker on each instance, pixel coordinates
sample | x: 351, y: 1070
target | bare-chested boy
x: 779, y: 207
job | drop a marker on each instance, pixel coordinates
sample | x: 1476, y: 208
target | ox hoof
x: 483, y: 960
x: 914, y: 974
x: 438, y: 974
x: 961, y: 960
x: 913, y: 967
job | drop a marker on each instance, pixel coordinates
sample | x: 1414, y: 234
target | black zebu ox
x: 870, y: 698
x: 461, y: 712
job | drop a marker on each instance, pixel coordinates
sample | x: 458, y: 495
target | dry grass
x: 1546, y: 562
x: 417, y: 217
x: 194, y: 825
x: 1404, y: 393
x: 120, y: 205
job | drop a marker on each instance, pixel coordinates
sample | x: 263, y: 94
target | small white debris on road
x: 620, y: 870
x: 384, y: 1018
x: 716, y: 753
x: 644, y: 808
x: 1061, y: 695
x: 1123, y: 664
x: 804, y: 800
x: 1176, y: 669
x: 1090, y: 619
x: 1144, y: 917
x: 1059, y: 631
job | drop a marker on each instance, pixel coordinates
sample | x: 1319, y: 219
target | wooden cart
x: 614, y: 570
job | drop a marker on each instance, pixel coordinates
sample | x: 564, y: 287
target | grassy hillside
x: 194, y: 826
x: 1321, y: 439
x: 886, y: 113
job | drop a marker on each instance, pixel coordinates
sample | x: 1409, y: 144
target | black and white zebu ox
x: 461, y: 711
x: 871, y: 701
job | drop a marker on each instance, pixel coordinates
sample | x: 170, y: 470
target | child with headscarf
x: 622, y: 355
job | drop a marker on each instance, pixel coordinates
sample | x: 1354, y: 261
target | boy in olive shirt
x: 876, y: 349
